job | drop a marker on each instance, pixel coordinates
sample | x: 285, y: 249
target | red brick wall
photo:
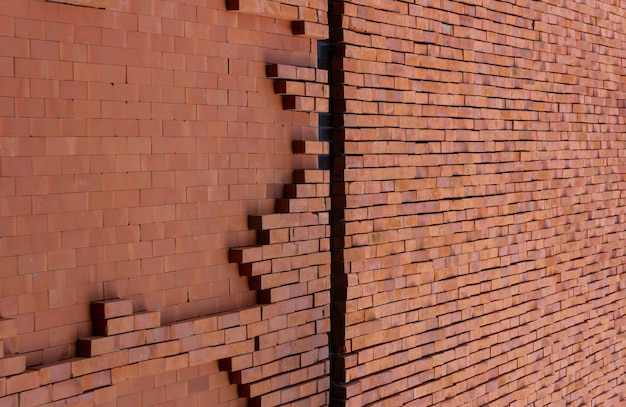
x: 483, y: 179
x: 141, y: 143
x: 165, y: 231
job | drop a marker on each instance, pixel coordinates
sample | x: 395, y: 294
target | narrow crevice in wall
x: 333, y: 58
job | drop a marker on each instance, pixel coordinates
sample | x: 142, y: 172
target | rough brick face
x: 481, y: 261
x: 136, y: 138
x: 168, y: 237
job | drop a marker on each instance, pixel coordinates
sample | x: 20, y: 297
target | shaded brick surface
x: 136, y: 139
x: 481, y: 258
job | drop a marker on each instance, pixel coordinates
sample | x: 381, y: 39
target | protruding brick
x: 204, y: 324
x: 258, y: 7
x: 182, y: 329
x: 236, y: 363
x: 113, y: 326
x: 292, y: 205
x: 160, y: 334
x: 246, y: 254
x: 281, y: 71
x: 256, y: 269
x: 96, y: 345
x: 282, y: 87
x: 111, y: 308
x: 298, y: 103
x: 310, y: 147
x: 310, y: 176
x: 310, y: 30
x: 12, y: 400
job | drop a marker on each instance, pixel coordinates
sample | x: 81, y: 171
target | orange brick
x: 95, y: 380
x: 113, y: 326
x: 12, y: 365
x: 54, y: 372
x: 35, y: 397
x: 147, y: 320
x: 310, y: 30
x: 23, y: 381
x: 66, y: 389
x: 93, y: 346
x: 7, y: 328
x: 111, y: 308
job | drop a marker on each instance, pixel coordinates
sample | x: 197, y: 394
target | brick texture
x: 169, y: 237
x: 136, y: 141
x: 480, y: 194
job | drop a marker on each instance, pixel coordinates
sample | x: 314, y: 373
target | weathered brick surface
x: 481, y: 258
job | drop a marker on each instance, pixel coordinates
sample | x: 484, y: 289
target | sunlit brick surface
x: 136, y: 139
x: 484, y: 219
x: 168, y: 238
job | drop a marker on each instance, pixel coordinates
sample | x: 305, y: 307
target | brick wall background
x: 165, y: 229
x: 483, y: 258
x: 157, y: 247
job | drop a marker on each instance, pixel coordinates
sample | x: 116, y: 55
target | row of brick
x: 132, y: 346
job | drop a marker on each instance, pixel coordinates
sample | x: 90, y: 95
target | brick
x: 310, y: 30
x: 147, y: 319
x: 204, y: 324
x: 298, y: 103
x: 66, y: 389
x: 54, y: 372
x: 310, y: 147
x: 95, y: 380
x: 263, y: 7
x: 476, y: 210
x: 111, y: 308
x: 12, y: 364
x: 10, y: 401
x: 7, y: 328
x: 281, y: 71
x: 98, y: 345
x: 113, y: 326
x: 160, y: 334
x: 24, y: 381
x: 176, y: 362
x: 246, y: 254
x: 289, y: 87
x: 36, y: 397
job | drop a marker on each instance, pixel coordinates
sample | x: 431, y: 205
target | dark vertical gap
x: 331, y: 129
x: 325, y: 129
